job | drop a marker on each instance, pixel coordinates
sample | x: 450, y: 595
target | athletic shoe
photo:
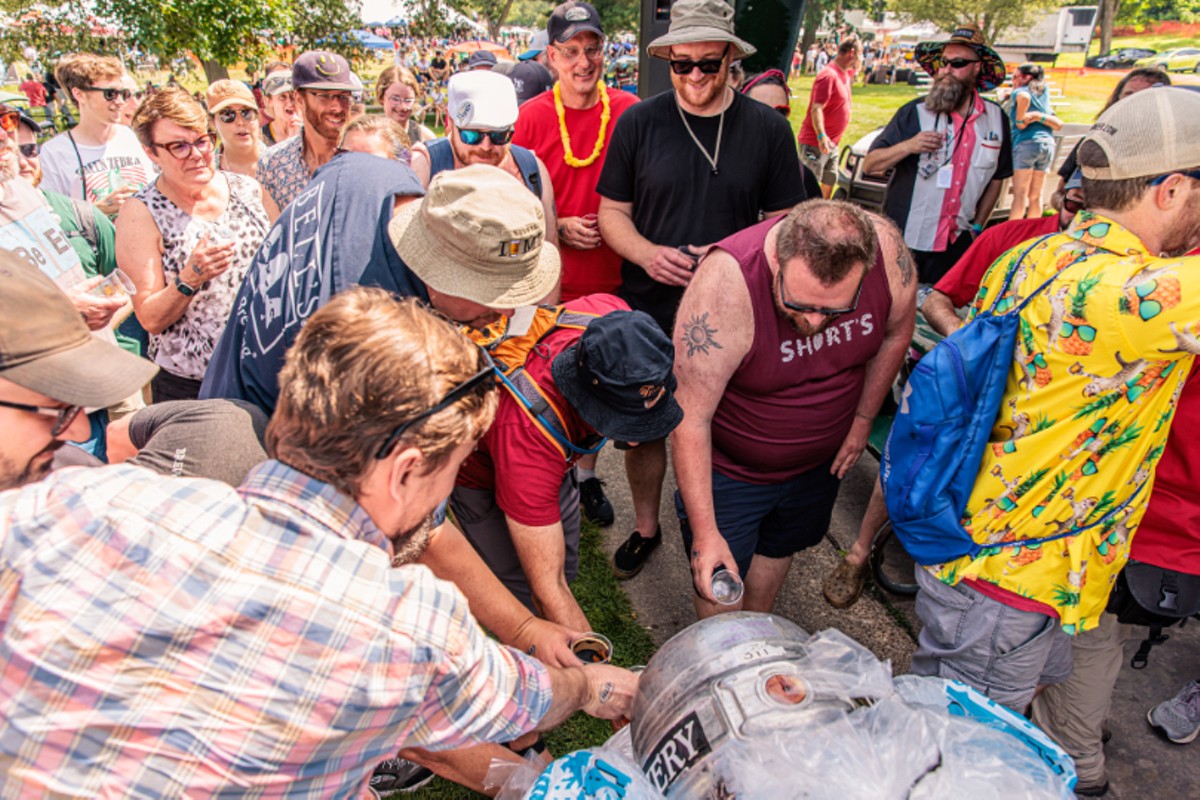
x: 596, y: 507
x: 633, y: 554
x: 1179, y: 717
x: 1094, y: 790
x: 399, y: 775
x: 844, y: 585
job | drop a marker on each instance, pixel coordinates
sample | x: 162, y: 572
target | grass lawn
x: 607, y: 608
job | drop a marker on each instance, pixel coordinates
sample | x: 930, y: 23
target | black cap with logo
x: 571, y: 19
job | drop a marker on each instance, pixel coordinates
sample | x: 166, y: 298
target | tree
x: 52, y: 31
x: 492, y: 13
x: 993, y: 17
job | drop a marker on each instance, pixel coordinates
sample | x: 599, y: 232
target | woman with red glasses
x: 187, y: 240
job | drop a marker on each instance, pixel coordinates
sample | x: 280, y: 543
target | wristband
x: 821, y: 136
x: 975, y: 226
x: 184, y: 289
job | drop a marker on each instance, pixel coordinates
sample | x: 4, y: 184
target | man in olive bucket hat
x: 683, y: 170
x: 950, y: 152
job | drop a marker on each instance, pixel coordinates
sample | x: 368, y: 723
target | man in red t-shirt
x: 516, y: 498
x: 581, y: 102
x: 34, y: 91
x: 829, y: 114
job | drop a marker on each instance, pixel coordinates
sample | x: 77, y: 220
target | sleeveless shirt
x: 790, y: 404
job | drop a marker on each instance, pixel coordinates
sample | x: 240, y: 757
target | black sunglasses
x: 785, y: 110
x: 1072, y: 206
x: 956, y: 63
x: 63, y: 417
x: 827, y: 312
x: 228, y: 115
x: 110, y: 94
x: 485, y: 377
x: 30, y: 150
x: 707, y: 66
x: 471, y: 137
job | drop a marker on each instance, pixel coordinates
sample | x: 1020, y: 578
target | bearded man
x: 949, y: 153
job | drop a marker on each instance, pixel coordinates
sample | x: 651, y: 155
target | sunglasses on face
x: 707, y: 66
x: 483, y: 380
x: 785, y: 110
x: 30, y: 150
x: 9, y: 121
x: 499, y: 138
x: 1072, y: 206
x: 228, y: 115
x: 182, y: 150
x: 1193, y: 174
x: 63, y: 417
x: 110, y: 95
x: 956, y: 63
x: 825, y: 312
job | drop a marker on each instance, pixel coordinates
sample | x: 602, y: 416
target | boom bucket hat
x: 991, y: 73
x: 701, y: 21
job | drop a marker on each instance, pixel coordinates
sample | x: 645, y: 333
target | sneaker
x: 633, y: 554
x: 399, y: 775
x: 1179, y: 717
x: 1091, y: 790
x: 596, y: 507
x: 843, y: 586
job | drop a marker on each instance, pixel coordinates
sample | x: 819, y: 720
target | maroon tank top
x: 791, y: 402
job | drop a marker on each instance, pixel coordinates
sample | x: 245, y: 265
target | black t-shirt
x: 653, y: 163
x: 1071, y: 163
x: 218, y: 439
x: 437, y: 63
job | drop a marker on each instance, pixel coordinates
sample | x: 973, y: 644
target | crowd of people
x: 257, y: 344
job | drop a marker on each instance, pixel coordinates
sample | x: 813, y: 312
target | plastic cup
x: 115, y: 284
x: 726, y: 587
x: 592, y: 648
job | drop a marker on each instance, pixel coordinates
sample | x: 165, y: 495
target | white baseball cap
x: 482, y: 100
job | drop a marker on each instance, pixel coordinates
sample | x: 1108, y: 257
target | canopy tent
x: 372, y: 42
x: 478, y: 44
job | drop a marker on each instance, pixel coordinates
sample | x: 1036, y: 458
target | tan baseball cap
x: 478, y: 234
x: 225, y: 93
x: 46, y: 348
x: 1153, y: 132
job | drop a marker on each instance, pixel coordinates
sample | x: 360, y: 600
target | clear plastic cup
x: 115, y: 284
x: 592, y: 648
x: 726, y: 587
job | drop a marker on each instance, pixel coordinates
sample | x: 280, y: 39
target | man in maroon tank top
x: 787, y: 340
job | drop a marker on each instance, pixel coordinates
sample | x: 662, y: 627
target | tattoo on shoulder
x: 698, y: 336
x: 904, y: 259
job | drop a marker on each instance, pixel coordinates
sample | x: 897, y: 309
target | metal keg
x: 736, y: 676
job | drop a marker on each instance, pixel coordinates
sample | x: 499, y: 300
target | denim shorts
x: 1033, y: 154
x: 774, y: 520
x: 1001, y: 651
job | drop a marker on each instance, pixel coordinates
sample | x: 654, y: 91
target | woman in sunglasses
x: 234, y: 114
x: 187, y: 240
x: 99, y: 160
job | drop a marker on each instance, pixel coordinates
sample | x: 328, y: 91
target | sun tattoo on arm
x: 698, y: 336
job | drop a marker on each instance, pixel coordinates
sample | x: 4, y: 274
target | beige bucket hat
x: 701, y: 21
x: 478, y: 234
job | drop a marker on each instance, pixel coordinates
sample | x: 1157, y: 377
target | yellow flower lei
x: 605, y: 116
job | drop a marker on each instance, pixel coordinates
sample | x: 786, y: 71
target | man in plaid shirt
x: 164, y: 636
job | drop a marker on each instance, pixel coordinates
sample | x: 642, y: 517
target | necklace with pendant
x: 712, y: 160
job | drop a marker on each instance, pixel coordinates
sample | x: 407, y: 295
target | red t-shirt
x: 35, y: 92
x: 514, y: 458
x: 832, y: 90
x: 961, y: 283
x: 584, y: 271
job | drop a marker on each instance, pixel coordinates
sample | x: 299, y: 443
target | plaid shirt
x: 282, y: 170
x: 170, y: 636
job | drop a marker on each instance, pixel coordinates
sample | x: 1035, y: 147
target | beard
x: 10, y: 166
x: 34, y: 471
x: 704, y: 94
x: 946, y: 94
x: 1185, y: 235
x: 467, y: 156
x: 797, y: 323
x: 409, y: 545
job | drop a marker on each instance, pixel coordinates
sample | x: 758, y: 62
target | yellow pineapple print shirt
x: 1101, y: 355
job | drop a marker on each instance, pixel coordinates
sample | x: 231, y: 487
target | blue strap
x: 441, y: 156
x: 1013, y: 271
x: 537, y: 409
x: 527, y: 163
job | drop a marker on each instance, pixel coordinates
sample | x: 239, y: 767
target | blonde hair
x: 393, y: 75
x: 81, y: 70
x: 173, y: 103
x: 388, y: 128
x: 362, y: 366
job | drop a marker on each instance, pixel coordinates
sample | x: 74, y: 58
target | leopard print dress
x: 185, y: 347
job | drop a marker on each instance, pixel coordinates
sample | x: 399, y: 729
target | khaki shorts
x: 823, y: 165
x: 999, y: 650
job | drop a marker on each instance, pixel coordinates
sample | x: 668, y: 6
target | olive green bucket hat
x: 701, y: 21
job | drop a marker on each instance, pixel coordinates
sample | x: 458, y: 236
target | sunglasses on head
x: 110, y: 94
x: 956, y: 63
x: 472, y: 137
x: 228, y: 115
x: 482, y: 381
